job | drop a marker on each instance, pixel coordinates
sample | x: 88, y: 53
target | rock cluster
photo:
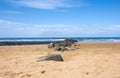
x: 10, y: 43
x: 62, y: 45
x: 65, y: 45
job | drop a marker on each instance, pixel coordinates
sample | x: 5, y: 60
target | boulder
x: 51, y: 45
x: 60, y: 48
x: 54, y: 57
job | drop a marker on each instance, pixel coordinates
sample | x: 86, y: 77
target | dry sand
x: 91, y: 60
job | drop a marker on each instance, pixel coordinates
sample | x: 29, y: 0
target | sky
x: 59, y: 18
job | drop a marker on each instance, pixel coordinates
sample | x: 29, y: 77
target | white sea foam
x: 29, y: 39
x: 82, y: 39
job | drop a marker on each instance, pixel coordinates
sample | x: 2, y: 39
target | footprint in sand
x: 26, y: 75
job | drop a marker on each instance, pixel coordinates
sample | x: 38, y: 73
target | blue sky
x: 59, y: 18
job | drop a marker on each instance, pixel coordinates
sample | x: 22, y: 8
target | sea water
x: 81, y: 39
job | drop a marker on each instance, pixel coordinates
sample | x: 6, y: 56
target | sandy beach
x: 91, y: 60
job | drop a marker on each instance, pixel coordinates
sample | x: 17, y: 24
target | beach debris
x: 54, y: 57
x: 62, y: 45
x: 43, y: 71
x: 87, y: 73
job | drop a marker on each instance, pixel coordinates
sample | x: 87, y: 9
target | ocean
x: 81, y: 39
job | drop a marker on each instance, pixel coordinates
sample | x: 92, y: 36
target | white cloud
x: 7, y: 22
x: 11, y: 12
x: 49, y: 4
x: 10, y: 23
x: 56, y: 30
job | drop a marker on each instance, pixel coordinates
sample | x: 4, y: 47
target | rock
x: 60, y: 48
x: 69, y: 42
x: 43, y: 71
x: 54, y: 57
x: 74, y: 46
x: 61, y: 45
x: 65, y: 43
x: 51, y: 45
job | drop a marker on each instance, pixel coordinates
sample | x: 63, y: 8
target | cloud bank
x: 14, y: 29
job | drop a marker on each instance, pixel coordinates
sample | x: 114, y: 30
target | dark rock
x: 54, y: 57
x: 10, y: 43
x: 65, y: 43
x: 61, y: 45
x: 87, y: 73
x: 60, y: 48
x: 69, y: 42
x: 43, y: 71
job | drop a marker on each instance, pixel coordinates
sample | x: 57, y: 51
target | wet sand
x: 91, y: 60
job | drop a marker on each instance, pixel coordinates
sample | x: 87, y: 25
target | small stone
x: 43, y: 72
x: 87, y: 73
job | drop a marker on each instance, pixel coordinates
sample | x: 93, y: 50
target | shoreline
x: 47, y: 40
x: 17, y: 43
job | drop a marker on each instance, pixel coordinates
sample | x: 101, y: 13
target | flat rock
x: 54, y: 57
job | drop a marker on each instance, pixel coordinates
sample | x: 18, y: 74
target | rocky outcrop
x: 62, y: 45
x: 65, y: 43
x: 10, y: 43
